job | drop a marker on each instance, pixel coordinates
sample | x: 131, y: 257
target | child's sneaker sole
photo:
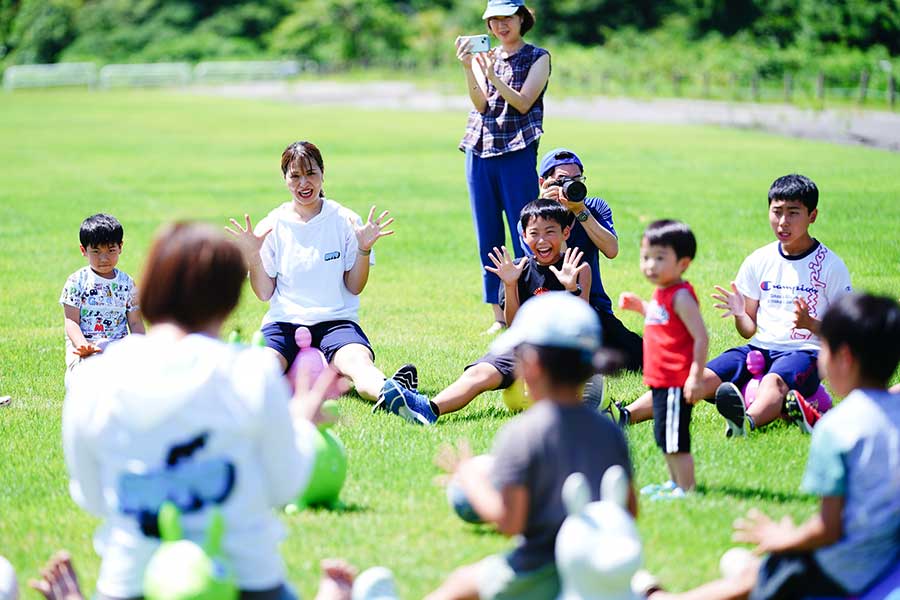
x: 730, y: 405
x: 799, y: 411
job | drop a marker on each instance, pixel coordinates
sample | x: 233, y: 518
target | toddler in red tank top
x: 675, y: 348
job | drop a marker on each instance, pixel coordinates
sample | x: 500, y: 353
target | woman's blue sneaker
x: 412, y: 406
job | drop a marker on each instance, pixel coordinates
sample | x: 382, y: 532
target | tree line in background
x: 768, y: 37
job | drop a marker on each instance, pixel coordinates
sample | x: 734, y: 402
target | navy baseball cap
x: 557, y: 157
x: 502, y: 8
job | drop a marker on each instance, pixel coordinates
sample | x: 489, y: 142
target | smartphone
x: 477, y: 43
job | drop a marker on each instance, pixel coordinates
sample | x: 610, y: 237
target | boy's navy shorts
x: 671, y: 420
x: 505, y: 363
x: 328, y: 336
x: 798, y: 368
x: 794, y: 575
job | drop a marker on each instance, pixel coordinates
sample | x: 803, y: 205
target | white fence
x: 225, y: 72
x: 146, y: 75
x: 60, y: 74
x: 150, y: 75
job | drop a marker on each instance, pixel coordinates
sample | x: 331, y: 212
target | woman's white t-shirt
x: 194, y: 421
x: 308, y: 261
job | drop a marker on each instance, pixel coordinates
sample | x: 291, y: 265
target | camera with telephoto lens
x: 574, y: 189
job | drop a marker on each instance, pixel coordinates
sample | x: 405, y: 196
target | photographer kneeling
x: 562, y: 179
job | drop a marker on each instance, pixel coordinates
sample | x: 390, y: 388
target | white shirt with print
x: 308, y: 261
x: 773, y: 279
x: 196, y: 421
x: 103, y: 306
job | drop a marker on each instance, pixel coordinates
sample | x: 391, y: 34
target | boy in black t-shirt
x: 554, y: 267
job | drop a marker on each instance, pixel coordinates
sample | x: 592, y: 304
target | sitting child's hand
x: 505, y: 267
x: 802, y: 318
x: 731, y: 302
x: 86, y: 350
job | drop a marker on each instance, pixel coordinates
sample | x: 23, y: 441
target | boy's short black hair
x: 570, y: 366
x: 566, y: 366
x: 797, y: 188
x: 100, y: 230
x: 543, y: 208
x: 870, y: 327
x: 672, y: 234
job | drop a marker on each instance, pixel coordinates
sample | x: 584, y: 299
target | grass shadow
x: 752, y: 493
x: 340, y: 508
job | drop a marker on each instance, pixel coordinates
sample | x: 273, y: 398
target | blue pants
x: 499, y: 184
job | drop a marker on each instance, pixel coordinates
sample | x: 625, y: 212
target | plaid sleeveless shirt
x: 502, y: 128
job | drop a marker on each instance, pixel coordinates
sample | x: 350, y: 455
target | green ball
x: 181, y: 570
x: 329, y: 471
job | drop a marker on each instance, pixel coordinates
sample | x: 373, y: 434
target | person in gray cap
x: 506, y: 85
x: 556, y: 340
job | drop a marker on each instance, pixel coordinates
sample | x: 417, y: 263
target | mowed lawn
x: 149, y: 158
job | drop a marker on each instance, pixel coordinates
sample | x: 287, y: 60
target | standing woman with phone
x: 506, y: 86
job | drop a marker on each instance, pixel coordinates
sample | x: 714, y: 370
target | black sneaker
x: 407, y: 376
x: 593, y: 392
x: 730, y: 404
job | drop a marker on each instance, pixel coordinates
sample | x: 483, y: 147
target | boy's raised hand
x: 631, y: 301
x: 372, y: 230
x: 731, y: 302
x: 504, y: 266
x: 568, y: 274
x: 246, y: 238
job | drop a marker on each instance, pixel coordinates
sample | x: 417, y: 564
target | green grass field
x: 152, y: 157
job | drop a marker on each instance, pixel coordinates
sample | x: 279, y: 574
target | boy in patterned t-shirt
x: 99, y: 301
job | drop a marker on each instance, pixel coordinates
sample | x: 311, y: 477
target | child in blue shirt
x: 853, y: 465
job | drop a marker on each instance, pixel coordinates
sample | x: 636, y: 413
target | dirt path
x: 845, y: 126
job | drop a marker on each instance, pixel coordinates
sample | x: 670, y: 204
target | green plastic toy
x: 329, y: 468
x: 182, y: 570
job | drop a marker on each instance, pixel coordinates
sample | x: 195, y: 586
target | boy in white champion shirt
x: 777, y: 300
x: 310, y: 258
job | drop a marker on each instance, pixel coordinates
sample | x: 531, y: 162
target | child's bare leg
x: 462, y: 584
x: 641, y: 409
x: 58, y: 580
x: 735, y: 588
x: 480, y: 377
x: 769, y: 400
x: 681, y: 468
x: 355, y: 362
